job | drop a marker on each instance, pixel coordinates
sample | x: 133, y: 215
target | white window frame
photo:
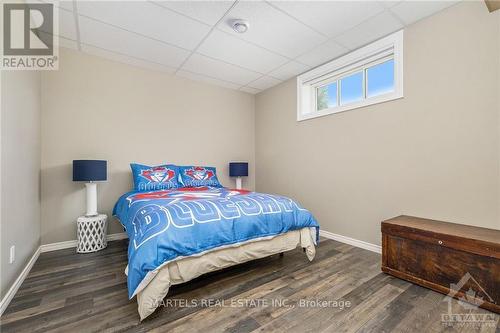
x: 390, y: 47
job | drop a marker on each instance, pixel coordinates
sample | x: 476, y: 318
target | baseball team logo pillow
x: 192, y: 176
x: 152, y: 178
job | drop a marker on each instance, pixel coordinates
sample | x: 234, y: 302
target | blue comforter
x: 169, y: 224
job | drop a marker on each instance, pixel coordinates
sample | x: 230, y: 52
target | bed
x: 179, y: 234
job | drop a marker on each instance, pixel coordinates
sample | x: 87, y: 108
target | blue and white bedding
x: 170, y: 224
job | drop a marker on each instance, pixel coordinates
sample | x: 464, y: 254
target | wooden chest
x: 437, y: 254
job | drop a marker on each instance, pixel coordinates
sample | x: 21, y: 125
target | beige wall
x: 20, y: 171
x: 434, y: 153
x: 96, y: 109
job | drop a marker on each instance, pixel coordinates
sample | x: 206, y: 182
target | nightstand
x: 91, y: 233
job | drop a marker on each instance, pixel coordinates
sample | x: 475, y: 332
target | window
x: 351, y: 88
x: 326, y: 96
x: 370, y: 75
x: 380, y: 79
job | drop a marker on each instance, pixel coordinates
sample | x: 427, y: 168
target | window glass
x: 326, y: 96
x: 351, y: 88
x: 369, y: 75
x: 380, y: 79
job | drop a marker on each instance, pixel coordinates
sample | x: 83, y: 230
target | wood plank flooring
x: 69, y: 292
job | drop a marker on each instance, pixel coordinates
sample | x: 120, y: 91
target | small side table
x: 91, y: 233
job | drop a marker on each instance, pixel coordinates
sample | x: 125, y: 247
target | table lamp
x: 238, y: 170
x: 90, y: 171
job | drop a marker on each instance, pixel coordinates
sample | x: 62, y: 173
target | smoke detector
x: 240, y: 26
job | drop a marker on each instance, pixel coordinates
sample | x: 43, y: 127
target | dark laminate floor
x: 69, y: 292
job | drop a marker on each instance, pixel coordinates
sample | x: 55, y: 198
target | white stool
x: 91, y: 233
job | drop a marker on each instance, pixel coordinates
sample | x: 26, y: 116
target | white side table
x: 91, y: 233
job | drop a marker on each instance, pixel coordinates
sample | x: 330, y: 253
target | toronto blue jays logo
x: 159, y: 174
x: 187, y: 193
x: 199, y: 173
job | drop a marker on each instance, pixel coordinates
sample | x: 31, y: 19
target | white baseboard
x: 74, y: 243
x: 351, y: 241
x: 58, y: 246
x: 15, y: 286
x: 118, y: 236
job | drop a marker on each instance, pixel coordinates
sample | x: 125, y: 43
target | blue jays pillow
x: 191, y: 176
x: 152, y: 178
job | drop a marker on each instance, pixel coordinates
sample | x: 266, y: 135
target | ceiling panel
x: 250, y: 90
x: 62, y: 42
x: 118, y: 40
x: 285, y: 37
x: 202, y: 78
x: 67, y: 26
x: 125, y: 59
x: 147, y: 19
x: 323, y: 53
x: 224, y: 46
x: 67, y: 5
x: 208, y: 12
x: 389, y: 3
x: 370, y: 30
x: 68, y: 43
x: 412, y: 11
x: 216, y: 69
x: 272, y: 29
x: 264, y: 82
x: 288, y: 70
x: 330, y: 17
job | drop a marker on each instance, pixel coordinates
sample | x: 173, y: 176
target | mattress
x: 188, y: 268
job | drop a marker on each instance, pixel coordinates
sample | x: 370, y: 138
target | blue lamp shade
x: 89, y: 170
x: 238, y: 169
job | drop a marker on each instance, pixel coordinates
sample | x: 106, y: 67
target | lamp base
x: 91, y: 199
x: 238, y: 183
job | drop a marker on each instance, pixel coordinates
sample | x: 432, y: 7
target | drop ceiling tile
x: 272, y: 29
x: 208, y: 12
x: 147, y: 19
x: 369, y: 31
x: 67, y: 5
x: 264, y: 82
x: 389, y: 3
x: 216, y: 69
x: 67, y: 27
x: 125, y: 59
x: 68, y: 43
x: 61, y: 41
x: 114, y: 39
x: 224, y: 46
x: 250, y: 90
x: 288, y: 70
x: 206, y: 79
x: 330, y: 17
x: 323, y: 53
x: 412, y: 11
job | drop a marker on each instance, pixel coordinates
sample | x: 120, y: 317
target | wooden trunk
x: 437, y: 254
